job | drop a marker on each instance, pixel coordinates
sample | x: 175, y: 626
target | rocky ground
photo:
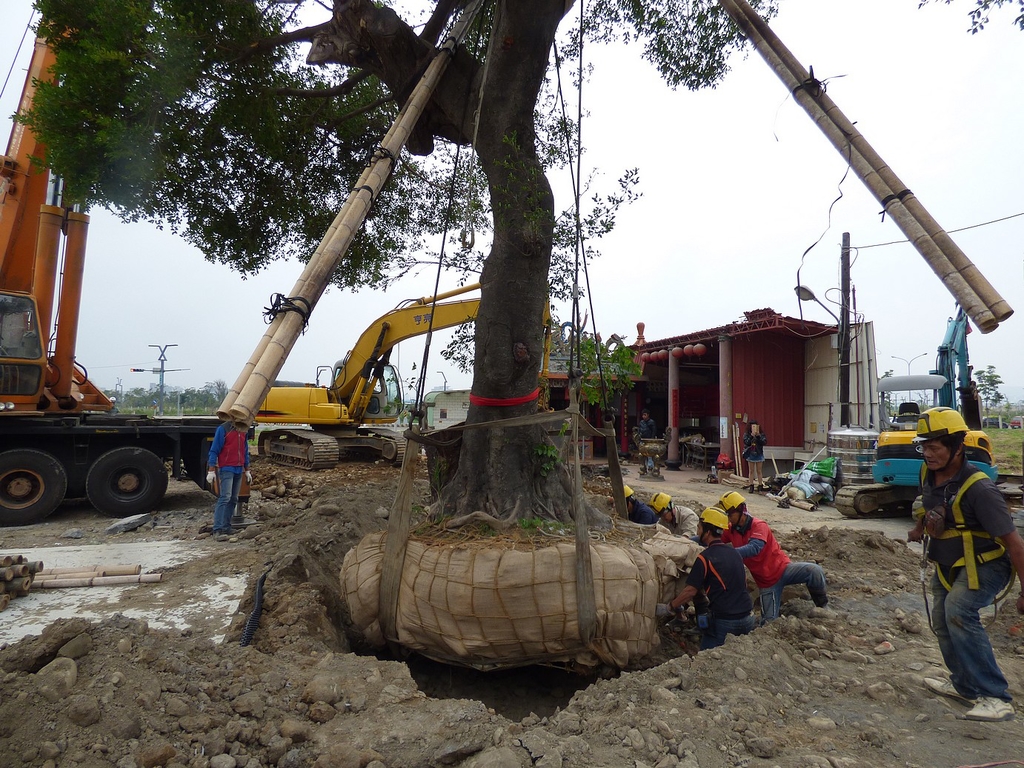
x: 837, y: 689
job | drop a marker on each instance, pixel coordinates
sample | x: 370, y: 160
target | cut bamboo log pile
x: 16, y: 574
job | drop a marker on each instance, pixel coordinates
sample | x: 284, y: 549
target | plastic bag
x: 825, y: 467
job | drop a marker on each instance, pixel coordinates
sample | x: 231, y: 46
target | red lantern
x: 645, y: 357
x: 677, y: 352
x: 699, y: 349
x: 663, y: 355
x: 688, y: 350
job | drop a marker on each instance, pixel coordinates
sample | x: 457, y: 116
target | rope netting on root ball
x: 490, y: 602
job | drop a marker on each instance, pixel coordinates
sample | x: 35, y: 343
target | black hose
x: 253, y: 622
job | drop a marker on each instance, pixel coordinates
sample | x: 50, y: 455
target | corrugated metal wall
x: 768, y: 385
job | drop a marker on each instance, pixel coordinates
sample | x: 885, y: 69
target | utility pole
x: 844, y: 333
x: 163, y: 359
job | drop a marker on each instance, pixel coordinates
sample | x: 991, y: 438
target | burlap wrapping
x: 486, y: 607
x: 673, y: 558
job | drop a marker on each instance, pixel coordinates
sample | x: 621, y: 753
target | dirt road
x: 838, y: 688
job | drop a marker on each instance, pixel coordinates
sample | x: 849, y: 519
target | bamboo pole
x: 960, y: 276
x: 98, y: 570
x: 101, y: 581
x: 250, y: 390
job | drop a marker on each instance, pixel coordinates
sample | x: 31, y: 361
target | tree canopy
x: 242, y: 124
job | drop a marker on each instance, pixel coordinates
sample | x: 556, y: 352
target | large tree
x: 241, y: 127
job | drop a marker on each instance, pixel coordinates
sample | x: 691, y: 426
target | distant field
x: 1007, y: 445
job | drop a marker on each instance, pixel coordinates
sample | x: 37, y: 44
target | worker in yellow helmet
x: 769, y: 564
x: 679, y: 520
x: 975, y: 548
x: 717, y: 585
x: 636, y: 510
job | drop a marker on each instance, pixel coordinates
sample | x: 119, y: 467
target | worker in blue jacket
x: 636, y: 510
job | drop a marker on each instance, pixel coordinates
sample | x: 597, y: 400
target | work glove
x: 248, y: 477
x: 663, y: 611
x: 211, y: 476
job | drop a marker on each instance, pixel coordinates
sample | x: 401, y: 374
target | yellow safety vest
x: 969, y: 560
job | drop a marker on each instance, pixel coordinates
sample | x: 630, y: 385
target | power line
x: 952, y: 231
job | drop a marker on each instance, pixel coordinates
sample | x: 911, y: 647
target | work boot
x: 820, y: 599
x: 991, y: 710
x: 945, y: 688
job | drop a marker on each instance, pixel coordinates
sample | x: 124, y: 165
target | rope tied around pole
x: 280, y: 303
x: 891, y: 198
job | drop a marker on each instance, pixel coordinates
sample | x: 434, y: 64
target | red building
x: 715, y: 381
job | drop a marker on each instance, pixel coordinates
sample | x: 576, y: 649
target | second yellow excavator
x: 364, y: 398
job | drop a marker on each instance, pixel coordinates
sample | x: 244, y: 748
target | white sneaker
x: 991, y: 710
x: 945, y: 688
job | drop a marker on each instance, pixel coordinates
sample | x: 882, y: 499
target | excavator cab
x: 386, y: 399
x: 907, y: 414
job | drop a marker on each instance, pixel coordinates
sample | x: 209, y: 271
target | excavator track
x: 300, y: 448
x: 875, y: 500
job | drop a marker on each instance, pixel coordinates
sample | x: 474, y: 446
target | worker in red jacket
x: 227, y: 463
x: 770, y: 566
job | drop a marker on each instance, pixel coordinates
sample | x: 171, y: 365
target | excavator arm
x: 355, y: 376
x: 953, y: 363
x: 346, y: 402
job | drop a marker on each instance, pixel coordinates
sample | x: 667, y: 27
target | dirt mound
x: 838, y: 688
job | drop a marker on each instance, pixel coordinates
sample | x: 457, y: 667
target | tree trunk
x: 499, y: 471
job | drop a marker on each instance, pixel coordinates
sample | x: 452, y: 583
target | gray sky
x: 736, y: 181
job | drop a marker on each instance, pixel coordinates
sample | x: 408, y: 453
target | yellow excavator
x: 364, y: 398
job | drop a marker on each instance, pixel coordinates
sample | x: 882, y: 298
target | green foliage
x: 689, y: 42
x: 980, y: 13
x: 194, y: 401
x: 202, y: 115
x: 606, y: 368
x: 167, y: 111
x: 988, y: 382
x: 547, y: 457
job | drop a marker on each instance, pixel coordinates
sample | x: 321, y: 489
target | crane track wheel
x: 126, y: 481
x: 32, y: 486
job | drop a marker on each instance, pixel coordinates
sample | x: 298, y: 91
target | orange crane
x: 58, y: 437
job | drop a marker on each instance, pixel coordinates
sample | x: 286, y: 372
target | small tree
x: 988, y: 382
x: 613, y: 376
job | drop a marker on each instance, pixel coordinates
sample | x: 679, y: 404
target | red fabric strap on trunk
x: 504, y: 401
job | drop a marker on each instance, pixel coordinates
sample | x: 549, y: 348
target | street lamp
x: 908, y: 362
x: 445, y: 380
x: 806, y: 294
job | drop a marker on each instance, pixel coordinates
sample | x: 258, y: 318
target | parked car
x: 1017, y: 422
x: 992, y: 422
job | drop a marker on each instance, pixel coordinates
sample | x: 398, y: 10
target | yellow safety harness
x: 970, y: 560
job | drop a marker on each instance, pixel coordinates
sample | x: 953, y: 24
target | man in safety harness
x: 975, y: 548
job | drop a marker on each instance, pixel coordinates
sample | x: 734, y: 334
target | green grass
x: 1007, y: 446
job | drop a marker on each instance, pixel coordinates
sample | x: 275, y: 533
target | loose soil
x: 840, y: 688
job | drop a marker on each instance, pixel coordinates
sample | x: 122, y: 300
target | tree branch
x: 342, y: 89
x: 361, y: 111
x: 268, y: 44
x: 435, y: 25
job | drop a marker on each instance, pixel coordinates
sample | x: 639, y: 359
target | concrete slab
x: 213, y: 605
